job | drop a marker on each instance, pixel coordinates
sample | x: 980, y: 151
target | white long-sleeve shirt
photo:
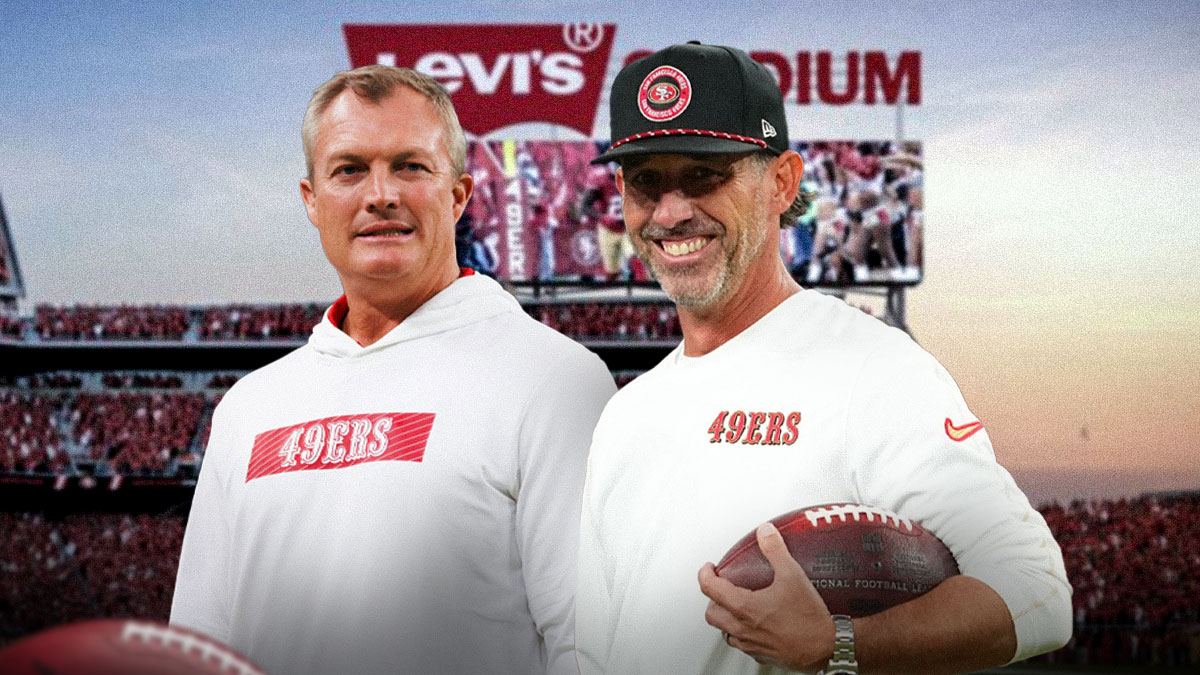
x: 815, y: 403
x: 407, y: 507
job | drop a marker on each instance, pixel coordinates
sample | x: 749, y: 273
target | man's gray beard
x: 684, y: 299
x: 729, y: 277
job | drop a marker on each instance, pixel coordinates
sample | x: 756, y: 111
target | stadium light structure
x: 12, y: 285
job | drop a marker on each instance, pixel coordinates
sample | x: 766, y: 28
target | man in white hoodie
x: 778, y: 398
x: 400, y: 494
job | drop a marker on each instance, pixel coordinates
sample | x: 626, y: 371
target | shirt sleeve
x: 909, y: 435
x: 555, y: 435
x: 201, y: 601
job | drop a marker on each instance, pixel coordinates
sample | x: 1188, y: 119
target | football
x: 115, y: 646
x: 861, y: 559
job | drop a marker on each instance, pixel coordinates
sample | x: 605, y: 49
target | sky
x: 151, y: 153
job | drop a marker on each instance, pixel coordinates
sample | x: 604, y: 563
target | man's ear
x: 310, y: 199
x: 464, y: 187
x: 621, y: 181
x: 786, y: 173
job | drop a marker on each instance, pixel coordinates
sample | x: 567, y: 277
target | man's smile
x: 675, y: 248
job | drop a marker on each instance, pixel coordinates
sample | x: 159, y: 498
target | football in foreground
x: 861, y: 559
x: 114, y: 646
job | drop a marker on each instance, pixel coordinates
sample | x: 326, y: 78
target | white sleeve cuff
x: 1039, y: 604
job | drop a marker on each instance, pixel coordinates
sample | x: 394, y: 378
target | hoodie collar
x: 341, y: 307
x: 469, y: 299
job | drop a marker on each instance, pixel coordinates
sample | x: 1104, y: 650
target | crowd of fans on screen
x: 1133, y: 565
x: 866, y: 224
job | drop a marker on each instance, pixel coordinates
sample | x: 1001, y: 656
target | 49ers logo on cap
x: 664, y: 94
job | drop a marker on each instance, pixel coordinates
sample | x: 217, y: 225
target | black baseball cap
x: 695, y: 99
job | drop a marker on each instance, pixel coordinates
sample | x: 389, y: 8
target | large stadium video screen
x: 542, y: 213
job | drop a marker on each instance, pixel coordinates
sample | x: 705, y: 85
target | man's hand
x: 785, y: 624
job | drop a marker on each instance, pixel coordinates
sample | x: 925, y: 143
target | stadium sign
x: 499, y: 74
x: 869, y: 77
x: 504, y: 74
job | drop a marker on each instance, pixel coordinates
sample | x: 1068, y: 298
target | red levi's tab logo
x: 499, y: 74
x: 334, y: 442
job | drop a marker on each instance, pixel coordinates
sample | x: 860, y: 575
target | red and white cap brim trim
x: 689, y: 132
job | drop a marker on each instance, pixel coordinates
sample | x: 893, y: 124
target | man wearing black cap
x: 778, y: 398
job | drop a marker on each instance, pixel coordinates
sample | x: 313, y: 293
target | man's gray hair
x: 375, y: 83
x: 800, y: 205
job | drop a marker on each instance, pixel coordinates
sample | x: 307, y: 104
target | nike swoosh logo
x: 960, y: 434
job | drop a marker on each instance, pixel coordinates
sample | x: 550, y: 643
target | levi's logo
x: 499, y: 74
x: 334, y: 442
x: 754, y: 428
x: 964, y: 432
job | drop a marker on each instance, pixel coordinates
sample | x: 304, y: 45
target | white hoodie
x: 407, y: 507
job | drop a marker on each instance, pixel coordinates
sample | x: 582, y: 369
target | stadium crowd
x: 611, y: 321
x: 294, y: 322
x: 1133, y: 564
x: 142, y: 381
x: 247, y: 322
x: 59, y: 381
x: 11, y: 326
x: 134, y: 433
x: 122, y: 322
x: 29, y: 440
x: 84, y: 566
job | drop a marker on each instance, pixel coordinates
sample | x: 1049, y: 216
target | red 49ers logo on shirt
x: 334, y: 442
x: 754, y: 428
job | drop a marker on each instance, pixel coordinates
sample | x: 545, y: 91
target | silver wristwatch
x: 843, y: 661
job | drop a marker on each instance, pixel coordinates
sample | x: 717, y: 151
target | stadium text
x: 561, y: 73
x: 505, y: 74
x: 868, y: 76
x: 498, y: 74
x: 514, y: 221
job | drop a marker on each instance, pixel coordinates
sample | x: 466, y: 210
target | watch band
x: 843, y: 661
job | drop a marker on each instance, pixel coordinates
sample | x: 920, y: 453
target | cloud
x: 1071, y: 158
